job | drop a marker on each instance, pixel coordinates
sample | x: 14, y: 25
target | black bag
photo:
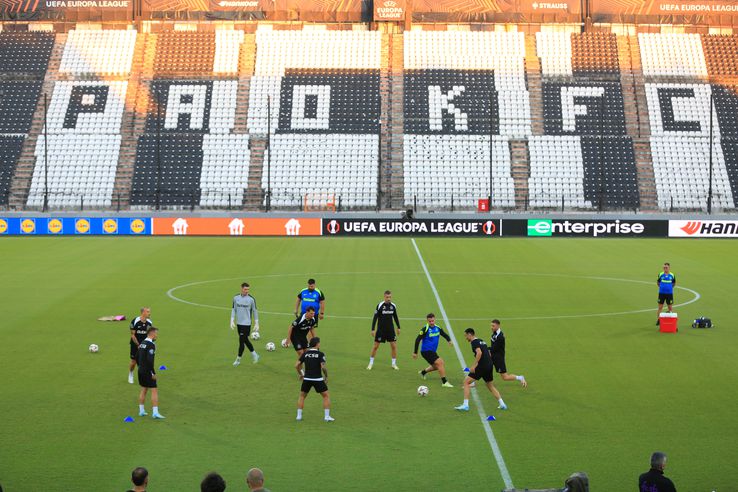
x: 702, y: 322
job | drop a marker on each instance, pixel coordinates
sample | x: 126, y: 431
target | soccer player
x: 481, y: 369
x: 310, y: 297
x: 147, y: 374
x: 385, y: 319
x: 242, y: 312
x: 297, y: 336
x: 429, y: 336
x: 139, y: 327
x: 497, y: 351
x: 666, y: 282
x: 315, y: 376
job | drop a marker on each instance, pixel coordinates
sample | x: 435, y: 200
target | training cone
x: 491, y: 418
x: 128, y: 419
x: 163, y: 368
x: 466, y: 369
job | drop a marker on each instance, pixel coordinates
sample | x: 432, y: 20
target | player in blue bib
x: 310, y: 297
x: 429, y: 337
x: 666, y: 282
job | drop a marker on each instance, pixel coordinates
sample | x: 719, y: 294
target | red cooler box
x: 668, y: 322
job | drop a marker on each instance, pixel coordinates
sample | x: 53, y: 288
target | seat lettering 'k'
x: 439, y: 102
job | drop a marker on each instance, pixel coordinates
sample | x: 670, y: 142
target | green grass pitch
x: 605, y: 391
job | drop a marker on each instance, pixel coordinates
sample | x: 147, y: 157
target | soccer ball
x: 94, y: 348
x: 284, y: 343
x: 255, y: 335
x: 270, y: 347
x: 422, y: 391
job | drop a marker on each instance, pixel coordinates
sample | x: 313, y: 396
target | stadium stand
x: 168, y: 170
x: 322, y: 89
x: 676, y: 55
x: 721, y: 55
x: 680, y: 123
x: 18, y: 99
x: 25, y: 52
x: 464, y: 106
x: 594, y: 55
x: 98, y: 52
x: 24, y: 59
x: 10, y: 150
x: 465, y: 97
x: 84, y: 122
x: 213, y: 175
x: 555, y: 51
x: 595, y: 165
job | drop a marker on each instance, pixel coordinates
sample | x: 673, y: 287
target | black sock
x: 423, y: 372
x: 443, y: 380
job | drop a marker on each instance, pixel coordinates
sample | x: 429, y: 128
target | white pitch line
x: 477, y: 401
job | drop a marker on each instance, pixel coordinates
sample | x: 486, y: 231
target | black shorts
x: 145, y: 380
x: 430, y: 355
x: 666, y: 298
x: 134, y: 351
x: 320, y: 386
x: 485, y: 373
x: 499, y: 364
x: 385, y: 335
x: 243, y: 330
x: 299, y: 343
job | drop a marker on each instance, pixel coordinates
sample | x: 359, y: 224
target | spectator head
x: 140, y: 476
x: 255, y: 479
x: 212, y: 482
x: 577, y: 482
x: 658, y: 460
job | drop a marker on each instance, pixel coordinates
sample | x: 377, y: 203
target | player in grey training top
x: 242, y: 313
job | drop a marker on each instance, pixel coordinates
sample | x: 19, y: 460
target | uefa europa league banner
x: 389, y: 10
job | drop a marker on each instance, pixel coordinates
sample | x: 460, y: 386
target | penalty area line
x: 475, y: 396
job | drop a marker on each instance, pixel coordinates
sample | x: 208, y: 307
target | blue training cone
x: 128, y: 419
x: 163, y: 368
x: 491, y: 418
x: 466, y: 369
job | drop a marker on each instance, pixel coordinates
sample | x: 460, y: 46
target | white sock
x: 141, y: 408
x: 238, y: 357
x: 520, y: 378
x: 254, y: 354
x: 299, y: 413
x: 130, y: 373
x: 371, y: 360
x: 156, y: 409
x: 394, y: 362
x: 327, y: 412
x: 466, y: 403
x: 502, y: 403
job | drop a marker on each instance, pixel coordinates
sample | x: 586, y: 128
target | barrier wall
x: 659, y: 11
x: 482, y: 227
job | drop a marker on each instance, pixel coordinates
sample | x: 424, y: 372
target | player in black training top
x: 497, y: 351
x: 147, y: 374
x: 383, y: 328
x: 139, y: 327
x: 480, y: 369
x: 304, y: 325
x: 315, y: 376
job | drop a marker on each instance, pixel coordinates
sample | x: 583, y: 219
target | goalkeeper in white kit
x: 242, y: 313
